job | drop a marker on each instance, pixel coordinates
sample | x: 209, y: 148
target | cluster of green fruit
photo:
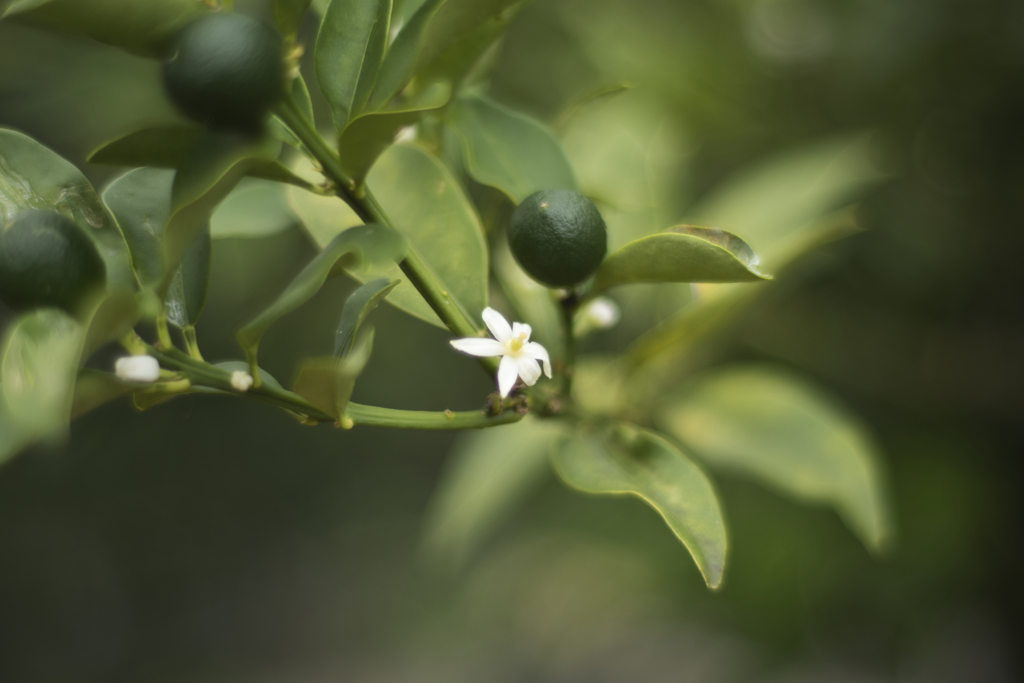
x: 226, y: 71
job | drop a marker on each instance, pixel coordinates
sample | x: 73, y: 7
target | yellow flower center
x: 515, y: 344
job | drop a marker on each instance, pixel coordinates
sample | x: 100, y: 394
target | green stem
x: 162, y: 333
x: 568, y: 308
x: 191, y: 343
x: 200, y: 373
x: 370, y: 211
x: 373, y: 416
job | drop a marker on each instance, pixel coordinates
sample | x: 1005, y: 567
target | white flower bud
x: 241, y: 381
x: 138, y: 369
x: 602, y: 313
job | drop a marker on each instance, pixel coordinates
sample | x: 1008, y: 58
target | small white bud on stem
x: 241, y: 381
x: 137, y: 369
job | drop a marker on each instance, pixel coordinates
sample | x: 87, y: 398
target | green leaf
x: 94, y: 388
x: 763, y: 422
x: 471, y: 53
x: 186, y: 296
x: 256, y: 208
x: 13, y: 7
x: 489, y: 473
x: 40, y: 361
x: 456, y: 19
x: 145, y: 28
x: 208, y: 173
x: 706, y: 319
x: 141, y: 202
x: 368, y: 243
x: 34, y: 177
x: 357, y: 307
x: 162, y: 146
x: 592, y: 97
x: 349, y: 51
x: 685, y: 253
x: 277, y: 128
x: 396, y: 69
x: 430, y: 210
x: 775, y: 203
x: 170, y: 146
x: 288, y: 15
x: 629, y: 461
x: 113, y: 318
x: 327, y: 383
x: 507, y: 150
x: 366, y: 137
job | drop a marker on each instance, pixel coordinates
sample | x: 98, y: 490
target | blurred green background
x: 211, y: 540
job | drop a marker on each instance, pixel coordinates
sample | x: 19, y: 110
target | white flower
x: 241, y: 381
x: 138, y: 369
x: 519, y: 355
x: 602, y: 313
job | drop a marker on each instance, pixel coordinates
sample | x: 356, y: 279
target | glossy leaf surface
x: 34, y: 177
x: 430, y: 210
x: 256, y: 208
x: 208, y: 173
x: 765, y: 423
x: 145, y: 28
x: 114, y: 317
x: 396, y: 69
x: 488, y: 474
x: 642, y: 464
x: 357, y: 307
x: 367, y: 136
x: 682, y: 254
x: 349, y: 51
x: 368, y: 243
x: 509, y: 151
x: 141, y: 202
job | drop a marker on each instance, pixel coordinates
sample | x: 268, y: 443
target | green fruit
x: 558, y: 237
x: 226, y: 71
x: 46, y: 260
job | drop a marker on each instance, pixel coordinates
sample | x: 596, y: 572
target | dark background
x: 214, y: 540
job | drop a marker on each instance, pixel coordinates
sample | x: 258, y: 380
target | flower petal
x: 475, y: 346
x: 538, y: 352
x: 508, y: 370
x: 497, y: 325
x: 517, y: 328
x: 529, y: 369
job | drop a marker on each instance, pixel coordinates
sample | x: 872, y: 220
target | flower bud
x: 241, y: 381
x: 137, y: 369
